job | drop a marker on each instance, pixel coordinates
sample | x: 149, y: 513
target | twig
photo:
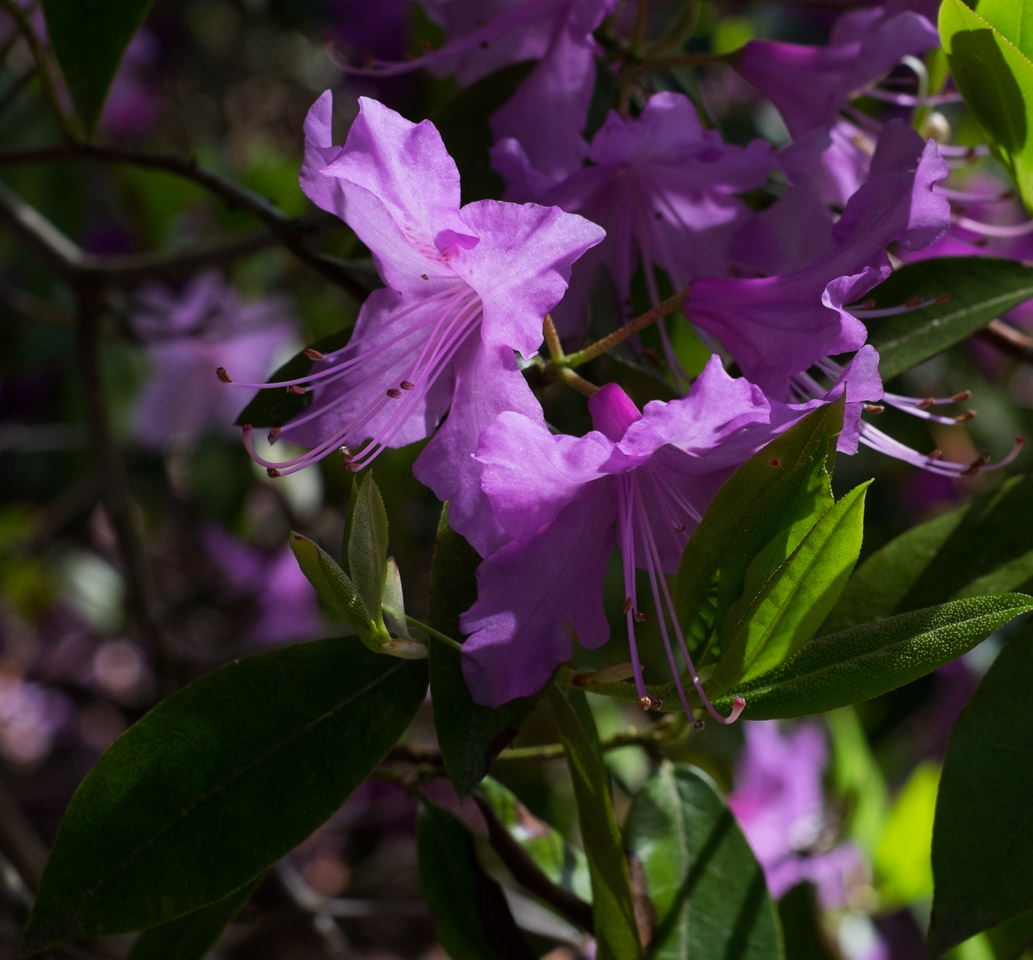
x: 235, y: 195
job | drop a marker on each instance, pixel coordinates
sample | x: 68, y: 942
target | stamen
x: 865, y: 312
x: 313, y: 354
x: 965, y: 417
x: 297, y: 389
x: 997, y: 231
x: 221, y: 373
x: 626, y: 606
x: 394, y: 393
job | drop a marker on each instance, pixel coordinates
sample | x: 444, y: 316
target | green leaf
x: 563, y: 864
x: 706, y: 885
x: 191, y: 936
x: 472, y: 916
x: 790, y: 608
x: 333, y: 586
x: 616, y: 931
x: 88, y: 38
x: 1014, y: 20
x: 217, y: 783
x: 866, y: 661
x: 974, y: 550
x: 995, y: 77
x: 470, y: 735
x: 982, y: 842
x: 902, y: 869
x: 980, y: 288
x: 756, y: 520
x: 365, y: 544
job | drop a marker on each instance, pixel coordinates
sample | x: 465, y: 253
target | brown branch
x: 235, y: 195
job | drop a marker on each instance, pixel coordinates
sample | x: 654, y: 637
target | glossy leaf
x: 758, y: 517
x: 980, y: 290
x: 190, y: 937
x: 791, y: 606
x: 470, y: 735
x: 613, y: 912
x: 333, y: 586
x: 995, y: 77
x: 217, y: 783
x: 706, y: 885
x: 563, y: 864
x: 89, y: 38
x: 869, y: 660
x: 470, y: 911
x: 365, y: 543
x: 982, y: 843
x: 974, y: 550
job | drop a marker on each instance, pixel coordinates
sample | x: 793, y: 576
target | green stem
x: 436, y: 634
x: 670, y: 305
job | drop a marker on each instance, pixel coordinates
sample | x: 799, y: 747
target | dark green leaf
x: 365, y: 543
x: 974, y: 550
x: 190, y: 937
x: 274, y: 407
x: 982, y: 842
x: 800, y: 916
x: 217, y: 783
x: 473, y: 918
x: 470, y: 735
x: 790, y: 608
x: 89, y: 38
x: 564, y: 865
x: 874, y: 658
x: 616, y: 930
x: 980, y: 288
x: 706, y: 885
x: 757, y: 519
x: 995, y: 77
x: 333, y: 586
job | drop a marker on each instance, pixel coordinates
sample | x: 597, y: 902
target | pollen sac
x: 221, y: 373
x: 313, y: 354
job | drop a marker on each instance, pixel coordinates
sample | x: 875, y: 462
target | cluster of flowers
x: 438, y: 351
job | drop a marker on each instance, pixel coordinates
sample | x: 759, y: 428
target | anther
x: 639, y: 616
x: 394, y: 393
x: 962, y: 397
x: 934, y: 454
x: 868, y: 304
x: 274, y: 433
x: 646, y: 703
x: 297, y: 389
x: 944, y: 298
x: 914, y: 301
x: 775, y: 462
x: 407, y: 384
x: 679, y: 527
x: 424, y: 276
x: 272, y: 472
x: 926, y: 404
x: 976, y: 465
x: 698, y: 725
x: 626, y: 606
x: 313, y: 354
x: 221, y: 373
x: 875, y: 408
x: 965, y: 417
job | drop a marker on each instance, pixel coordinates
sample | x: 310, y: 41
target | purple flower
x: 640, y: 481
x: 466, y: 287
x: 777, y: 327
x: 662, y: 187
x: 779, y: 803
x: 556, y: 35
x: 187, y: 334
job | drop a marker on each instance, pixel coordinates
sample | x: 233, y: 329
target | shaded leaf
x: 869, y: 660
x: 365, y: 544
x: 616, y: 930
x: 333, y: 586
x: 470, y: 735
x: 706, y: 885
x: 974, y: 550
x: 995, y: 77
x: 758, y: 517
x: 190, y: 937
x: 217, y: 783
x: 472, y: 917
x: 790, y: 608
x: 89, y: 38
x: 980, y: 288
x: 982, y: 841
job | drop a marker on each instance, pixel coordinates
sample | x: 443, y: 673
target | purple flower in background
x: 188, y: 333
x: 779, y: 803
x: 662, y: 187
x: 640, y: 481
x: 466, y: 287
x: 777, y: 327
x: 556, y: 35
